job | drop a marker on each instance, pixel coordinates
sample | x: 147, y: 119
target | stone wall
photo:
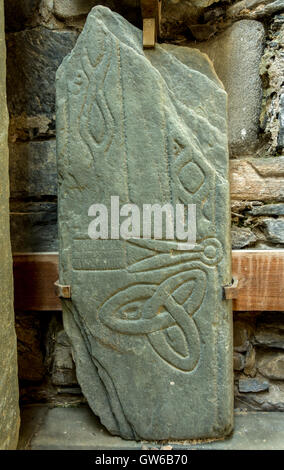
x: 245, y: 41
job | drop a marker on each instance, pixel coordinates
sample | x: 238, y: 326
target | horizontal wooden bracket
x: 231, y: 291
x: 63, y: 292
x: 151, y: 13
x: 260, y: 275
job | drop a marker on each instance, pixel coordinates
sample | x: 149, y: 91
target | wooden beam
x: 261, y: 280
x: 260, y: 277
x: 34, y: 278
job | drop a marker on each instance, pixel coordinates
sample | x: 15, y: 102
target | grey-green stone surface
x: 150, y: 331
x: 236, y: 54
x: 77, y: 429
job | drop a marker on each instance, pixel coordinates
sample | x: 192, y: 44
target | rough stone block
x: 30, y: 355
x: 33, y: 169
x: 239, y: 361
x: 250, y: 364
x: 178, y: 16
x: 253, y: 385
x: 255, y: 9
x: 67, y: 9
x: 33, y: 227
x: 236, y: 55
x: 270, y: 332
x: 63, y: 368
x: 33, y: 57
x: 268, y: 209
x: 272, y: 400
x: 150, y: 331
x: 271, y: 365
x: 257, y: 179
x: 274, y: 230
x: 9, y: 409
x: 242, y: 334
x: 242, y: 237
x: 19, y: 13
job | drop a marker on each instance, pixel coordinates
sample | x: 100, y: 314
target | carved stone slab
x: 150, y: 330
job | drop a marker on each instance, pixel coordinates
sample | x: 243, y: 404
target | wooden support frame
x: 151, y: 13
x: 260, y: 276
x: 34, y: 278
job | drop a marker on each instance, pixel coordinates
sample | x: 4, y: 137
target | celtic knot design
x: 163, y: 314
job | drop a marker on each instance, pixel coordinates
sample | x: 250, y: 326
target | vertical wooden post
x: 151, y: 14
